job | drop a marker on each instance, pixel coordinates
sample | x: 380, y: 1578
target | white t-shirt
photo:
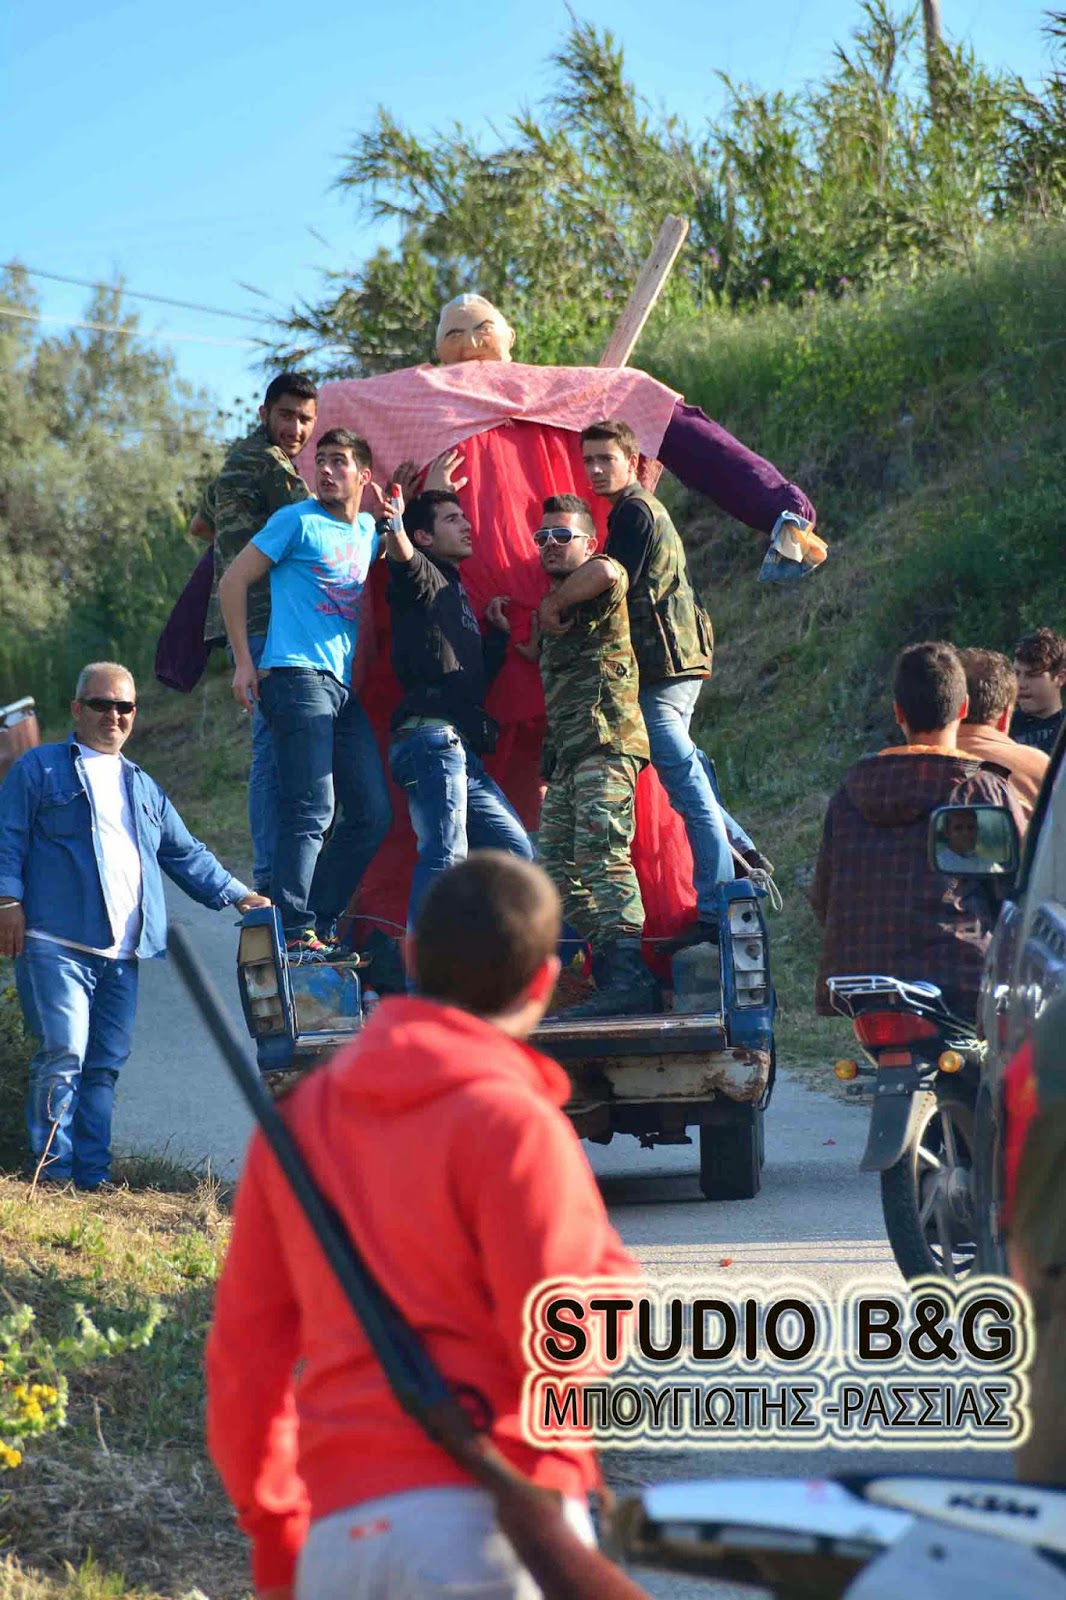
x: 121, y: 874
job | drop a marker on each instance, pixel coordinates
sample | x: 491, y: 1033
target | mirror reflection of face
x: 961, y: 832
x: 474, y: 333
x: 559, y: 559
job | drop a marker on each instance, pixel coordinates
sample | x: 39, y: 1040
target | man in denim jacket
x: 83, y: 836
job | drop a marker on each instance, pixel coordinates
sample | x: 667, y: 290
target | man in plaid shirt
x: 884, y: 909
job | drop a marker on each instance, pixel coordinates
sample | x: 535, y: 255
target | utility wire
x: 136, y: 294
x: 130, y: 333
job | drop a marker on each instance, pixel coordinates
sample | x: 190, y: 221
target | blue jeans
x: 326, y: 755
x: 454, y: 805
x: 81, y: 1008
x: 739, y: 838
x: 262, y: 784
x: 682, y: 770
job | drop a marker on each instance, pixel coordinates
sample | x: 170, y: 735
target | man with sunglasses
x: 84, y: 837
x: 594, y: 749
x: 674, y: 643
x: 440, y: 730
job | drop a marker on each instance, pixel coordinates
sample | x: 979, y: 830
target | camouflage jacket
x: 590, y: 684
x: 671, y: 631
x: 257, y: 479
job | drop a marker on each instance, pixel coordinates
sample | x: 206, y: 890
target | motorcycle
x: 926, y: 1062
x: 854, y: 1538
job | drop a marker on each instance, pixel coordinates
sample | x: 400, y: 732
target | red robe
x: 511, y: 469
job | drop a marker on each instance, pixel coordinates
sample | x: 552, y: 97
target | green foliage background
x: 102, y: 456
x: 892, y: 165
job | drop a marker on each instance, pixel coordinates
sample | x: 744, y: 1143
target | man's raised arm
x: 587, y: 582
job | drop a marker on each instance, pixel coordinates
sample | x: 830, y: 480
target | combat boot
x: 625, y: 987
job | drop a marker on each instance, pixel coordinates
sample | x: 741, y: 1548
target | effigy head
x: 471, y: 329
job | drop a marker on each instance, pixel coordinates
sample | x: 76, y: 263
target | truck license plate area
x: 742, y: 1075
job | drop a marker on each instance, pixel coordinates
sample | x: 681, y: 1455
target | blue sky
x: 192, y: 148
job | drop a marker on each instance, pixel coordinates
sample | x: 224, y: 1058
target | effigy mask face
x: 471, y: 329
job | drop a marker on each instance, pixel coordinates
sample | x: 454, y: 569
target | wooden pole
x: 646, y: 291
x: 934, y: 43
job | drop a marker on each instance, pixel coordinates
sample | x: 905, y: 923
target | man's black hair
x: 569, y: 505
x: 298, y: 384
x: 614, y: 430
x: 347, y: 440
x: 1042, y: 651
x: 421, y: 515
x: 930, y: 685
x: 990, y: 684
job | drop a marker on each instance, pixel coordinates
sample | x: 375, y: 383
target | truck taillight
x: 750, y: 977
x: 875, y: 1029
x: 257, y: 975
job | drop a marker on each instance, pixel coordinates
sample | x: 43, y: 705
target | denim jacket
x: 50, y: 855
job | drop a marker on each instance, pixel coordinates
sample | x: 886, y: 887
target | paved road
x: 817, y: 1216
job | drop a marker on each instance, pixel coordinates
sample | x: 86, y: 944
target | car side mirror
x: 974, y: 841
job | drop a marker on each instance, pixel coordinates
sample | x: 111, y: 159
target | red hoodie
x: 440, y: 1142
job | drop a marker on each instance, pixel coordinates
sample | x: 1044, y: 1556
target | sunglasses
x: 557, y: 535
x: 97, y: 702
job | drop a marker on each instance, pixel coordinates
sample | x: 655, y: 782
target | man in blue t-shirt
x: 318, y: 554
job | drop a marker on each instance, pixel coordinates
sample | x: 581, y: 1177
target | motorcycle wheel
x: 927, y: 1197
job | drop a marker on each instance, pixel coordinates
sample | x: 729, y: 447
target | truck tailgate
x: 672, y: 1057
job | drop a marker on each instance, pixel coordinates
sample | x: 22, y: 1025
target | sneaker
x: 341, y: 954
x: 307, y: 948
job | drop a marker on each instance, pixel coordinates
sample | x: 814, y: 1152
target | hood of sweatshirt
x: 413, y: 1051
x: 903, y: 785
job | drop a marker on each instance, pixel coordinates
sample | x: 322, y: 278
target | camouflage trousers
x: 586, y: 829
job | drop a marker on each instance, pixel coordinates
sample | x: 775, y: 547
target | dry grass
x: 123, y: 1502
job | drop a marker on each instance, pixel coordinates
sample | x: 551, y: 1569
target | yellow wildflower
x: 10, y: 1457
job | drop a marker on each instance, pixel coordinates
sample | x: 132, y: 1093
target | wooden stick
x: 646, y: 291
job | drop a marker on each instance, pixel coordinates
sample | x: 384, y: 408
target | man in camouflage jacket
x: 595, y: 746
x: 673, y: 643
x: 257, y: 479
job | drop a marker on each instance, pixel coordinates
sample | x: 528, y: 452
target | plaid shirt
x: 884, y: 909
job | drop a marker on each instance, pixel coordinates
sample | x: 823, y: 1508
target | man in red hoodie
x: 439, y: 1139
x: 883, y: 908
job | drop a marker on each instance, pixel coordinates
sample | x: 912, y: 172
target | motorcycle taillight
x: 876, y: 1028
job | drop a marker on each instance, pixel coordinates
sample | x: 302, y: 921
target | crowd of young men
x: 623, y: 645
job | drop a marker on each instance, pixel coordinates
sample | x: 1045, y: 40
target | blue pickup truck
x: 706, y: 1062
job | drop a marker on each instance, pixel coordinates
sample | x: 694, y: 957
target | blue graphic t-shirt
x: 320, y: 568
